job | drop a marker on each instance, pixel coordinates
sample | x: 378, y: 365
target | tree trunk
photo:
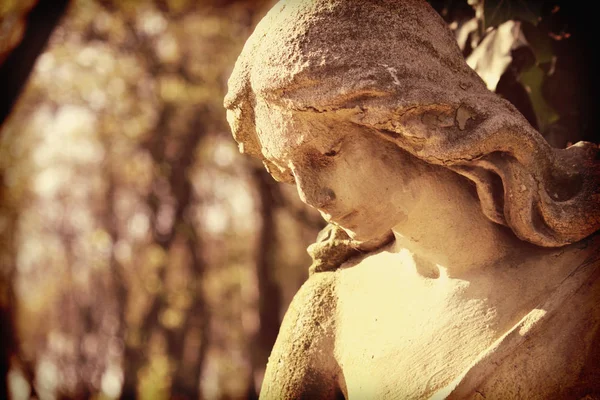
x: 269, y: 301
x: 17, y: 67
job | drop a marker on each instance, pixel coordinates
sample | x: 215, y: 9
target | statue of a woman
x: 461, y: 260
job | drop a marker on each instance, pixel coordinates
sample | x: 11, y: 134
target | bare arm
x: 302, y: 364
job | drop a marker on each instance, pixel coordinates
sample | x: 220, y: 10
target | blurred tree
x: 144, y: 241
x: 142, y: 255
x: 23, y: 35
x: 24, y: 31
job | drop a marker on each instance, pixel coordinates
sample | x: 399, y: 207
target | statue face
x: 355, y: 178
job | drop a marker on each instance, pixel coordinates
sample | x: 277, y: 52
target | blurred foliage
x: 132, y: 229
x: 142, y: 255
x: 12, y: 24
x: 496, y: 12
x: 548, y: 69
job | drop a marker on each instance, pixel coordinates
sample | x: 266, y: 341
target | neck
x: 446, y: 228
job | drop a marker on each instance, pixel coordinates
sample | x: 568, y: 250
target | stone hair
x: 408, y: 82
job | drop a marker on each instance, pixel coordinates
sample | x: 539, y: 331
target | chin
x: 363, y: 235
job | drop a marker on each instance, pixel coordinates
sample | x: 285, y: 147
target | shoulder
x: 313, y: 308
x: 334, y: 247
x: 568, y: 322
x: 302, y: 363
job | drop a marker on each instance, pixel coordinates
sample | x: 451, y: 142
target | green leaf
x: 498, y: 11
x: 540, y: 43
x: 532, y: 80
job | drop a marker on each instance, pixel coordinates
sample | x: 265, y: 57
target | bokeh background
x: 141, y: 256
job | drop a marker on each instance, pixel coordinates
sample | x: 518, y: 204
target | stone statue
x: 461, y: 259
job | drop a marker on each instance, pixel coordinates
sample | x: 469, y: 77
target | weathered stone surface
x: 334, y: 247
x: 491, y: 285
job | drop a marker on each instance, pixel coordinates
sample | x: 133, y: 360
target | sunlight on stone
x: 443, y: 271
x: 530, y: 320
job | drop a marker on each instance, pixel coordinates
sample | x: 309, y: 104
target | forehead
x: 283, y: 132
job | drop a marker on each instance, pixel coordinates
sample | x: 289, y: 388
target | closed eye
x: 335, y: 149
x: 291, y: 179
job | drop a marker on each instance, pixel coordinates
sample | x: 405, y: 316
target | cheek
x: 386, y: 182
x: 360, y: 185
x: 368, y: 173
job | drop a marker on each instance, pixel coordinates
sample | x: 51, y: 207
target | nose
x: 317, y: 197
x: 312, y: 191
